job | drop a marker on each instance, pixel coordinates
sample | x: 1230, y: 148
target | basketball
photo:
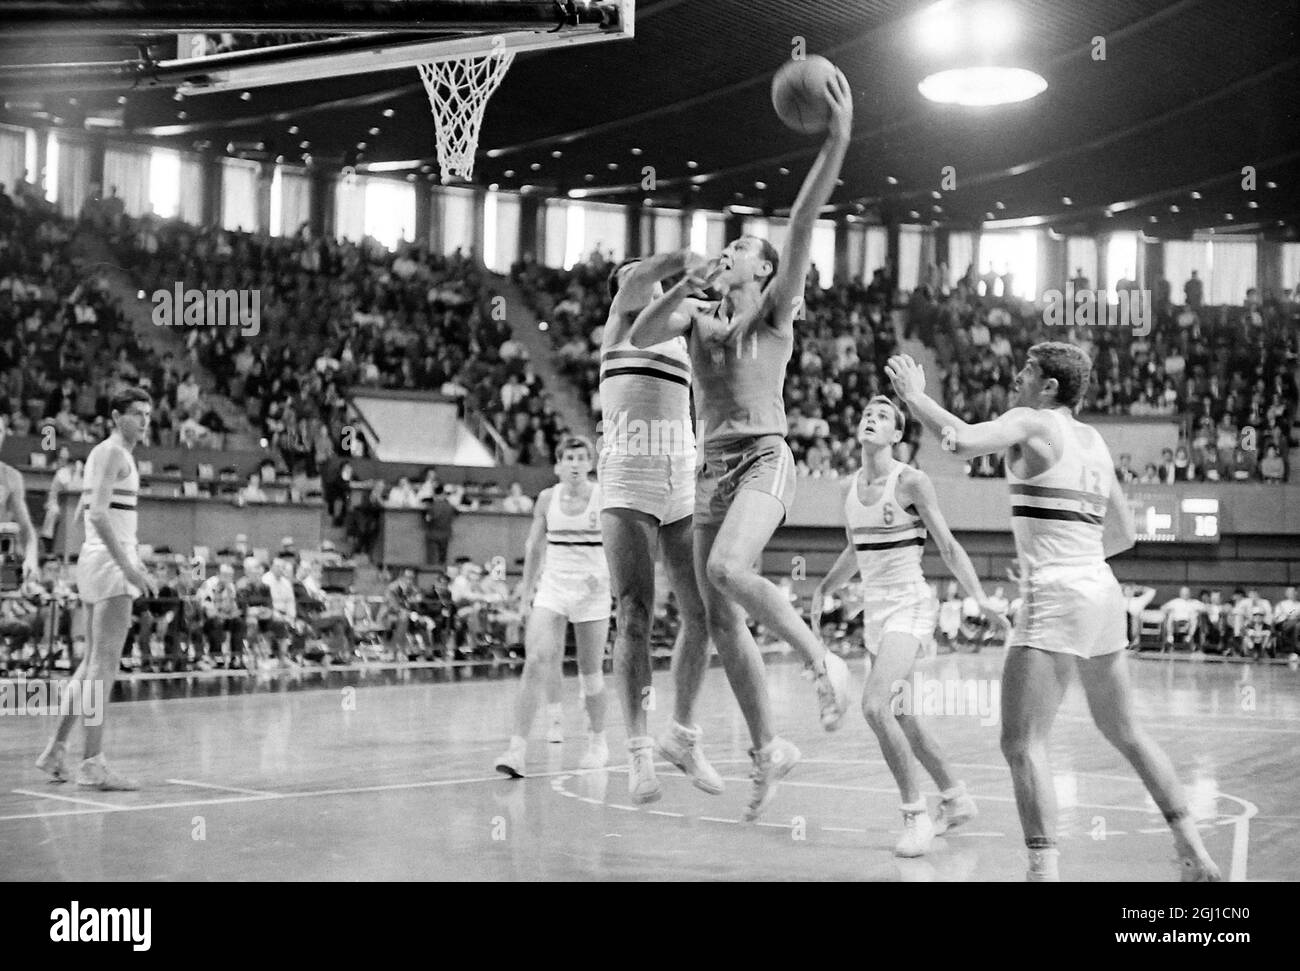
x: 799, y: 94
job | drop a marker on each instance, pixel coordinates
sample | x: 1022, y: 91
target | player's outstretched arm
x: 1118, y: 532
x: 1014, y: 427
x: 917, y: 491
x: 669, y: 316
x: 637, y: 288
x: 815, y: 192
x: 535, y: 548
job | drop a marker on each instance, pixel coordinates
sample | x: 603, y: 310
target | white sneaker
x: 95, y: 774
x: 953, y: 812
x: 833, y: 691
x: 597, y: 754
x: 1044, y: 866
x: 512, y: 761
x: 1198, y: 870
x: 681, y: 747
x: 918, y: 833
x: 772, y: 763
x: 642, y: 785
x: 53, y: 761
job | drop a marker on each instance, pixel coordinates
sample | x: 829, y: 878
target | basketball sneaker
x: 955, y: 808
x: 833, y: 691
x: 772, y: 763
x: 95, y: 774
x: 512, y: 761
x: 642, y: 785
x: 1044, y: 866
x: 52, y: 761
x: 918, y: 832
x: 681, y: 747
x: 597, y: 754
x: 1196, y: 869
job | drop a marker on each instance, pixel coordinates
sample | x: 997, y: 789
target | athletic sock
x: 639, y: 741
x: 913, y: 807
x: 518, y: 742
x: 956, y: 792
x: 555, y: 711
x: 685, y: 734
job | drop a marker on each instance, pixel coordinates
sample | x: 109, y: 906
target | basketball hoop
x: 459, y: 89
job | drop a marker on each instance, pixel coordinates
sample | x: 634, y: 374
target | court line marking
x: 50, y: 795
x: 1240, y: 838
x: 103, y: 807
x: 1240, y: 822
x: 1237, y: 867
x: 213, y: 785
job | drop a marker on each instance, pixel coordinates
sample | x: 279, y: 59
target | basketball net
x: 458, y: 93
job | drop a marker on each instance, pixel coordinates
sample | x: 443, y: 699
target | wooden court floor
x: 391, y: 778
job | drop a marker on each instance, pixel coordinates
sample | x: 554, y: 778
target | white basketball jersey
x: 643, y: 385
x: 122, y: 504
x: 1057, y: 515
x: 889, y: 540
x: 574, y: 543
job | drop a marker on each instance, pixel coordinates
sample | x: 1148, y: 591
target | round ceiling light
x: 982, y: 87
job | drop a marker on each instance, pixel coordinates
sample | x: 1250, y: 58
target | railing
x: 486, y: 432
x: 368, y: 430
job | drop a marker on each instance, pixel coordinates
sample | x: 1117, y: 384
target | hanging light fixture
x: 973, y: 49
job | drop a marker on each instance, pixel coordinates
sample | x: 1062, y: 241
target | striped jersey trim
x: 647, y: 357
x: 646, y: 371
x: 1047, y: 492
x: 574, y: 542
x: 1062, y: 515
x: 876, y: 530
x: 891, y: 544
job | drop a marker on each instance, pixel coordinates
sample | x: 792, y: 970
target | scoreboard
x: 1166, y: 517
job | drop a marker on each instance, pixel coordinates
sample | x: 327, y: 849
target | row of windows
x: 169, y: 184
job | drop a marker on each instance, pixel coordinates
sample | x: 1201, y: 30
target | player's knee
x: 1124, y: 736
x: 592, y: 684
x: 878, y: 709
x: 633, y: 616
x: 1017, y: 747
x: 725, y: 571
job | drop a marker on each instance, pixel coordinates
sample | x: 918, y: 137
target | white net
x: 459, y: 90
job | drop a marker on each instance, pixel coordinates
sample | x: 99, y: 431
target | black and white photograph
x: 509, y: 442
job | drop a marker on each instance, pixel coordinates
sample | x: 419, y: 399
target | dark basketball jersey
x: 738, y: 379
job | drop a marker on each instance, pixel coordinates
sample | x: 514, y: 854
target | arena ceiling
x: 1190, y: 92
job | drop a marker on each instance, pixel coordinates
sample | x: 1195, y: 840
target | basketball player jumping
x: 564, y: 548
x: 109, y: 577
x: 1068, y: 515
x: 888, y: 509
x: 740, y: 346
x: 647, y: 479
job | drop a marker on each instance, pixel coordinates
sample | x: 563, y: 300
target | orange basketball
x: 799, y: 94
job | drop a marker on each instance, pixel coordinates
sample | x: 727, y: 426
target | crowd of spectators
x: 337, y: 316
x: 65, y: 345
x: 1226, y: 374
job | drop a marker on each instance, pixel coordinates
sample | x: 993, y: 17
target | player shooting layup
x: 1068, y: 515
x: 109, y: 577
x: 740, y: 347
x: 647, y: 477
